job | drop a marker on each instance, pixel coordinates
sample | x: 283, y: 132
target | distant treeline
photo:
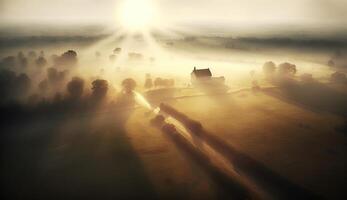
x: 6, y: 42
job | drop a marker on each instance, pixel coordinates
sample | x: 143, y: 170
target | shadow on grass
x: 72, y: 158
x: 252, y: 178
x: 313, y: 96
x: 226, y: 188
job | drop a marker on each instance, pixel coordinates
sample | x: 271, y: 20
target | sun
x: 137, y: 15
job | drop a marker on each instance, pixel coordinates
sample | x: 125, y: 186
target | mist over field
x: 161, y: 99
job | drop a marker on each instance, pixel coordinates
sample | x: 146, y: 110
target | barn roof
x: 202, y: 72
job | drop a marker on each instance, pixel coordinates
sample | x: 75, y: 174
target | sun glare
x: 136, y: 14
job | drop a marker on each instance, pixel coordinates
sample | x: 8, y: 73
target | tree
x: 70, y: 55
x: 23, y: 83
x: 43, y: 85
x: 55, y: 76
x: 287, y: 68
x: 20, y: 55
x: 68, y: 58
x: 158, y: 82
x: 117, y: 50
x: 306, y: 77
x: 7, y: 81
x: 148, y: 82
x: 13, y: 86
x: 75, y: 87
x: 99, y: 88
x: 32, y: 54
x: 129, y: 85
x: 8, y: 62
x: 23, y: 61
x: 41, y: 61
x: 269, y: 68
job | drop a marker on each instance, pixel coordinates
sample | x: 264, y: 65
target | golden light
x: 137, y: 14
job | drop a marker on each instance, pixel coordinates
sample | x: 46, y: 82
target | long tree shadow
x: 259, y: 178
x: 226, y: 188
x: 313, y: 96
x: 74, y: 158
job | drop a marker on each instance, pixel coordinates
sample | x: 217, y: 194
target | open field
x: 78, y: 126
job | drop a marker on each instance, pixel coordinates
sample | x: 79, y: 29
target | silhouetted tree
x: 32, y: 54
x: 306, y: 77
x: 129, y: 85
x: 157, y: 82
x: 117, y: 50
x: 23, y: 61
x: 287, y: 68
x: 20, y: 55
x: 13, y: 86
x: 41, y: 62
x: 99, y: 89
x: 8, y: 62
x: 43, y: 85
x: 269, y: 68
x: 23, y: 81
x: 68, y: 58
x: 55, y: 76
x: 7, y: 81
x: 148, y: 82
x: 75, y: 87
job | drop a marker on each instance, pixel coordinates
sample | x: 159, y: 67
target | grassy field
x: 119, y: 155
x: 297, y: 143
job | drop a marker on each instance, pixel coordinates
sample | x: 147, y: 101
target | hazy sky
x: 297, y: 12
